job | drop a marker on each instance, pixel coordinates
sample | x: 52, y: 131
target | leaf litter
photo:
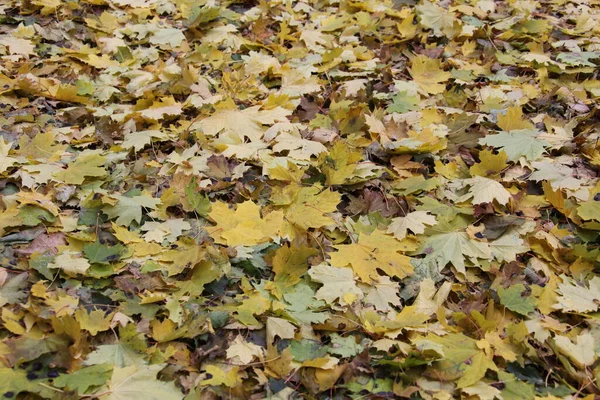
x: 299, y: 199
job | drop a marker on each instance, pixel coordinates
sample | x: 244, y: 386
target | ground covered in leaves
x: 312, y: 199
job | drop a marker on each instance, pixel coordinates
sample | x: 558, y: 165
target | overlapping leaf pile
x: 316, y: 199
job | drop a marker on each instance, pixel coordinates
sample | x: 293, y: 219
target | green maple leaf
x: 514, y: 389
x: 81, y: 381
x: 518, y: 143
x: 403, y: 102
x: 13, y: 290
x: 344, y: 346
x: 129, y: 209
x: 101, y: 253
x: 512, y: 299
x: 199, y: 202
x: 32, y: 215
x: 13, y: 382
x: 305, y: 349
x: 453, y: 247
x: 118, y: 355
x: 301, y: 303
x: 581, y: 58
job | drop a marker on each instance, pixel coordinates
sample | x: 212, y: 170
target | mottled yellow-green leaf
x: 89, y: 165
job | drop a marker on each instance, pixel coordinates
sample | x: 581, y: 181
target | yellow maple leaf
x: 41, y: 147
x: 219, y: 377
x: 9, y: 217
x: 71, y: 263
x: 244, y: 226
x: 306, y: 207
x: 5, y: 161
x: 490, y: 164
x: 161, y: 108
x: 339, y: 163
x: 513, y: 119
x: 372, y: 252
x: 289, y: 264
x: 94, y: 322
x: 242, y: 123
x: 166, y: 330
x: 427, y: 72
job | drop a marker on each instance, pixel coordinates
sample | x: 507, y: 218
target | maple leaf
x: 338, y: 284
x: 513, y: 120
x: 70, y: 263
x: 589, y: 210
x: 518, y: 143
x: 278, y: 327
x: 101, y: 253
x: 298, y: 148
x: 434, y: 17
x: 94, y: 322
x: 129, y: 209
x: 513, y: 299
x: 578, y: 298
x: 198, y: 202
x: 559, y: 176
x: 41, y: 147
x: 139, y: 382
x: 18, y: 45
x: 430, y: 299
x: 294, y: 84
x: 382, y: 294
x: 453, y: 247
x: 244, y: 352
x: 167, y: 37
x: 460, y: 354
x: 427, y: 72
x: 169, y: 230
x: 579, y: 350
x: 219, y: 377
x: 506, y: 247
x: 485, y: 190
x: 301, y: 304
x: 483, y: 391
x: 16, y: 381
x: 289, y: 265
x: 490, y: 164
x: 403, y: 102
x: 372, y: 252
x: 307, y: 207
x: 85, y: 165
x: 242, y: 123
x: 344, y: 346
x: 85, y: 378
x: 244, y: 226
x: 339, y: 163
x: 414, y: 221
x: 138, y: 140
x: 160, y: 109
